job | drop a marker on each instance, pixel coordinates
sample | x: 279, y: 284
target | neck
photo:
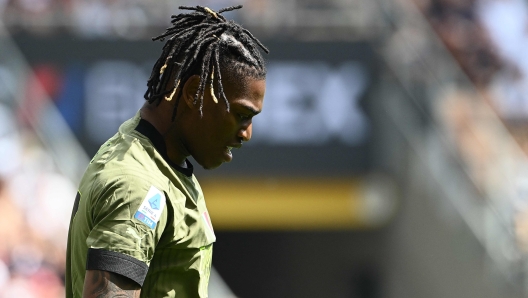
x: 160, y: 116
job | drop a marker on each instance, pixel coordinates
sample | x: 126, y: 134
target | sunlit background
x: 389, y: 160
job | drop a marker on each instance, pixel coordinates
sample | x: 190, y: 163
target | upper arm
x: 104, y: 284
x: 119, y: 221
x: 129, y: 217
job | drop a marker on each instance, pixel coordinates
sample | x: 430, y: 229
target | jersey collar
x: 148, y: 130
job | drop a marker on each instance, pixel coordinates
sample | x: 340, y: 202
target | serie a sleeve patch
x: 151, y: 208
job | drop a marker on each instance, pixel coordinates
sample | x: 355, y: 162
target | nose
x: 245, y: 132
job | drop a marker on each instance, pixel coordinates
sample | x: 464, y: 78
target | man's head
x: 212, y: 73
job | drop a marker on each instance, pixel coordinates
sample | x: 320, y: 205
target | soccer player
x: 140, y: 226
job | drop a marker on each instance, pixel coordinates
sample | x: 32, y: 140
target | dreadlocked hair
x: 204, y: 43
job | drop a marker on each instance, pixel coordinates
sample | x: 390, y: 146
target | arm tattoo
x: 103, y: 284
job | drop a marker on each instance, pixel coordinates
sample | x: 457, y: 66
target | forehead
x: 248, y: 94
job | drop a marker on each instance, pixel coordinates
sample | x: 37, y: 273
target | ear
x: 189, y: 90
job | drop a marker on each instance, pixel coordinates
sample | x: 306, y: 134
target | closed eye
x: 244, y: 117
x: 244, y: 112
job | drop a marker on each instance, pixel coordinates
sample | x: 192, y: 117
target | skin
x: 103, y: 284
x: 204, y: 137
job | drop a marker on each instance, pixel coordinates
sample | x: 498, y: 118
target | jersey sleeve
x: 129, y: 215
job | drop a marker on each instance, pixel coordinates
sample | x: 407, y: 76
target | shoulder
x: 121, y: 173
x: 125, y: 155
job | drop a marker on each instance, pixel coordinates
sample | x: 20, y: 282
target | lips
x: 227, y: 151
x: 228, y: 156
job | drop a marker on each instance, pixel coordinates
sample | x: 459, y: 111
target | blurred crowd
x: 93, y: 18
x: 488, y: 39
x: 35, y: 204
x: 135, y: 19
x: 460, y: 27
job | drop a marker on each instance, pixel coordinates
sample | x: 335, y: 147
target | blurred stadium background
x: 390, y: 159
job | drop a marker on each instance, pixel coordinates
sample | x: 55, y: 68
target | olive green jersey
x: 139, y: 215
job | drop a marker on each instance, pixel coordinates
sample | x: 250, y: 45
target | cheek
x: 232, y: 125
x: 215, y: 130
x: 225, y: 123
x: 218, y: 125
